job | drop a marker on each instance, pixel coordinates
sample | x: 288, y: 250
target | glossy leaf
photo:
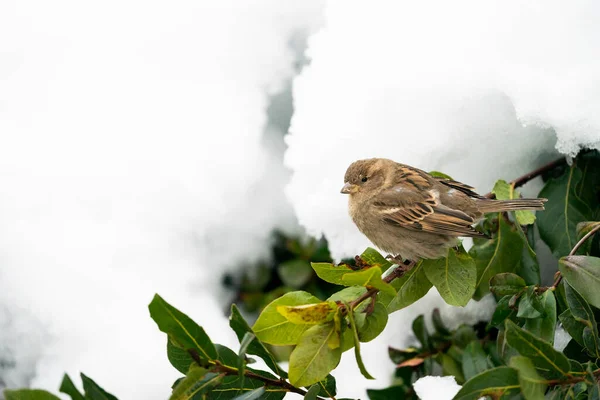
x: 181, y: 328
x: 327, y: 387
x: 410, y: 287
x: 474, y: 360
x: 500, y: 254
x: 359, y: 361
x: 195, y: 383
x: 573, y: 327
x: 68, y: 387
x: 530, y: 305
x: 454, y: 276
x: 256, y: 347
x: 373, y: 324
x: 544, y: 326
x: 564, y: 210
x: 254, y: 394
x: 502, y: 312
x: 549, y: 362
x: 532, y: 385
x: 178, y: 357
x: 310, y: 314
x: 368, y: 277
x: 313, y: 358
x: 493, y: 382
x: 231, y: 387
x: 583, y: 315
x: 273, y: 328
x: 506, y: 283
x: 584, y: 228
x: 583, y: 274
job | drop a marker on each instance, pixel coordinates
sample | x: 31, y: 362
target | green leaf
x: 438, y: 324
x: 532, y: 385
x: 231, y: 386
x: 312, y: 392
x: 420, y: 331
x: 359, y: 361
x: 368, y: 277
x: 295, y: 273
x: 462, y: 336
x: 505, y: 191
x: 454, y: 276
x: 273, y: 328
x: 528, y: 266
x: 310, y: 314
x: 327, y: 387
x: 583, y: 228
x: 29, y: 394
x: 410, y: 287
x: 373, y: 258
x: 256, y: 347
x: 549, y: 362
x: 252, y: 394
x: 583, y: 274
x: 392, y: 392
x: 450, y: 367
x: 348, y: 294
x: 93, y: 391
x: 493, y: 382
x: 331, y: 273
x: 502, y: 312
x: 501, y: 254
x: 564, y: 210
x: 374, y: 323
x: 313, y: 358
x: 474, y: 360
x: 506, y: 283
x: 196, y: 382
x: 68, y: 387
x: 181, y: 328
x: 544, y: 326
x: 178, y: 357
x: 573, y: 327
x: 582, y: 314
x: 530, y: 305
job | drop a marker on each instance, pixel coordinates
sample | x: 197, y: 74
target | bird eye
x: 364, y: 179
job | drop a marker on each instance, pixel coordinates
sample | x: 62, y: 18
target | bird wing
x: 419, y: 208
x: 466, y: 189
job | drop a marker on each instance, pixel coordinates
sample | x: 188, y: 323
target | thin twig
x: 520, y: 181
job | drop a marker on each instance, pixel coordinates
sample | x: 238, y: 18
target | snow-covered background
x: 140, y: 142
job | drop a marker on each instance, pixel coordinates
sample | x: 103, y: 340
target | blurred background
x: 185, y: 148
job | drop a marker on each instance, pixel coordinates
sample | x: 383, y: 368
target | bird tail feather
x: 488, y: 205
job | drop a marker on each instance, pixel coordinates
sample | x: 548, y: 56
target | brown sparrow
x: 411, y: 214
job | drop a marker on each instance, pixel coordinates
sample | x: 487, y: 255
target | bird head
x: 364, y: 175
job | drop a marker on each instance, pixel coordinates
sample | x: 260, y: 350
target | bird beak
x: 349, y: 188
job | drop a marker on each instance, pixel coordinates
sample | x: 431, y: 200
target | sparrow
x: 412, y: 215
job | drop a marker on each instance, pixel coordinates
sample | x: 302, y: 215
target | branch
x: 520, y: 181
x: 575, y: 379
x: 217, y: 366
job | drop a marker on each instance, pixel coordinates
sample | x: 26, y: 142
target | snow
x: 436, y: 387
x: 135, y: 157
